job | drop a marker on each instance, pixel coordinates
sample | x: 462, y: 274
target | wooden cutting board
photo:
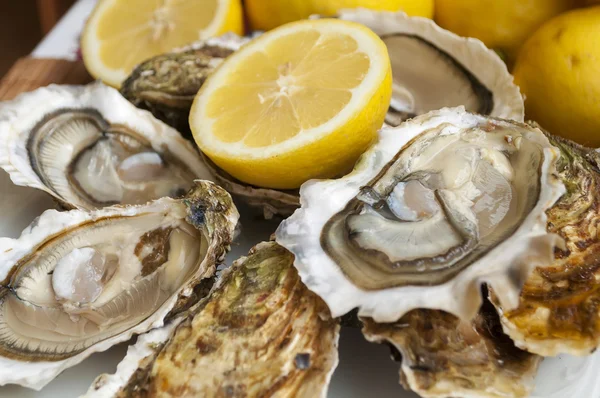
x: 30, y: 73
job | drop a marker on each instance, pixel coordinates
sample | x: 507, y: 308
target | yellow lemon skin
x: 269, y: 14
x: 503, y: 25
x: 330, y: 157
x: 558, y: 70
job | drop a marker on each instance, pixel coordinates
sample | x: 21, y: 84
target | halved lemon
x: 121, y: 33
x: 302, y: 101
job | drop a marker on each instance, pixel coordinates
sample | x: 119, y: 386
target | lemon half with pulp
x: 302, y: 101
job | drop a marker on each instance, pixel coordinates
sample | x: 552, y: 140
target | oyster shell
x: 559, y: 307
x: 273, y: 202
x: 261, y: 332
x: 79, y: 282
x: 436, y: 207
x: 443, y: 356
x: 167, y: 84
x: 88, y: 147
x: 445, y: 70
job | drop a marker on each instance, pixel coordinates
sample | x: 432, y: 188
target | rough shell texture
x: 272, y: 202
x: 208, y: 208
x: 19, y: 117
x: 503, y: 264
x: 261, y: 332
x: 443, y: 356
x: 482, y: 65
x: 167, y: 84
x: 559, y: 307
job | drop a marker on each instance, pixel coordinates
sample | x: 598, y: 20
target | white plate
x: 365, y: 369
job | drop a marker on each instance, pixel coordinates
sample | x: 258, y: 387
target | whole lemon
x: 269, y: 14
x: 502, y: 25
x: 558, y: 70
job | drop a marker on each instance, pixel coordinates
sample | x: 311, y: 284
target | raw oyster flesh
x: 436, y: 207
x: 167, y: 84
x: 434, y: 68
x: 443, y: 356
x: 79, y: 282
x: 89, y: 147
x: 559, y: 308
x: 260, y: 333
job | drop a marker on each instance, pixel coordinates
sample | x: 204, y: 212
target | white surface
x: 365, y: 369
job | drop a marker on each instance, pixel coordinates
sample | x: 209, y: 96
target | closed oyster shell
x: 444, y: 69
x: 79, y: 282
x: 261, y: 332
x: 273, y: 202
x: 88, y: 147
x: 438, y: 206
x: 559, y: 307
x: 443, y: 356
x: 167, y: 84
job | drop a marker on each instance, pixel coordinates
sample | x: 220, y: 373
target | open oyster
x: 167, y: 84
x: 88, y: 147
x: 434, y: 68
x: 438, y: 206
x: 261, y: 332
x: 79, y: 282
x: 559, y: 307
x: 443, y: 356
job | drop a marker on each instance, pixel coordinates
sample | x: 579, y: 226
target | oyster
x: 445, y: 70
x: 261, y: 332
x: 443, y: 356
x: 88, y: 147
x: 559, y: 307
x: 167, y: 84
x: 79, y: 282
x: 273, y: 202
x: 436, y: 207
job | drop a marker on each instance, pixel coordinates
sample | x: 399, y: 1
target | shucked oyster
x: 167, y: 84
x: 79, y: 282
x: 89, y: 147
x: 434, y: 68
x: 260, y: 333
x: 559, y: 308
x: 443, y: 356
x: 435, y: 208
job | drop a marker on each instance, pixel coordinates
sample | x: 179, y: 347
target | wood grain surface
x: 30, y: 73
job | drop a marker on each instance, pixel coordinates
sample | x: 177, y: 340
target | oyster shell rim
x: 218, y: 210
x: 15, y: 158
x: 471, y: 53
x: 341, y: 295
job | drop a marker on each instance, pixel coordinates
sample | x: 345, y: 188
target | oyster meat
x: 559, y: 307
x: 78, y: 282
x: 88, y: 147
x: 443, y: 356
x: 261, y: 332
x: 167, y: 84
x: 444, y: 69
x: 438, y: 206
